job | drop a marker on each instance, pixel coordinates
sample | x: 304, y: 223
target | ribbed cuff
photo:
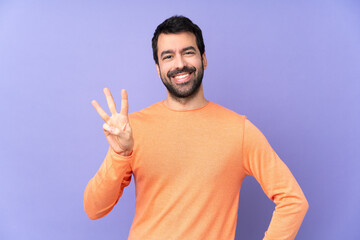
x: 118, y: 157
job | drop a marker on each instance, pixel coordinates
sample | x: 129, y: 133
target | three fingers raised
x: 111, y: 104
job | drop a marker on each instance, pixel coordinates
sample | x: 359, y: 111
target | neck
x: 193, y: 102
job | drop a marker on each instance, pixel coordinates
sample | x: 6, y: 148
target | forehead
x: 176, y: 41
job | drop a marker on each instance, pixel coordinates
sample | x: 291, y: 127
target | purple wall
x: 292, y: 68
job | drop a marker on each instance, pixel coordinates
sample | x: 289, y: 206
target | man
x: 188, y: 155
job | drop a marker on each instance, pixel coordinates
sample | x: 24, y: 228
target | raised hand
x: 117, y: 128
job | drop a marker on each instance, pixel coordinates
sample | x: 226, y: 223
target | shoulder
x: 224, y: 118
x: 223, y: 112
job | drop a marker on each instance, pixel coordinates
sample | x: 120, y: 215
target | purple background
x: 292, y: 67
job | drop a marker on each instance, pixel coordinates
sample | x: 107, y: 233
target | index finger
x: 124, y: 103
x: 100, y: 111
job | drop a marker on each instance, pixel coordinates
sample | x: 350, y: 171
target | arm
x: 278, y: 183
x: 105, y: 188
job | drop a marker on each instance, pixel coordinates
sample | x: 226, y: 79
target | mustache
x: 182, y: 70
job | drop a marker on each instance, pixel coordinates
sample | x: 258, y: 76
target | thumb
x: 110, y: 130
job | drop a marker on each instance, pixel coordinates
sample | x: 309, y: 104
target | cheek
x: 162, y: 74
x: 164, y: 70
x: 196, y: 63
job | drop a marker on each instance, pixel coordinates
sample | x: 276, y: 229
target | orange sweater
x: 188, y: 168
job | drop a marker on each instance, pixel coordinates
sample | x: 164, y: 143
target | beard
x: 186, y: 89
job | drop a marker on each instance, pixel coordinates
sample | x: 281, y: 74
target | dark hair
x: 177, y: 24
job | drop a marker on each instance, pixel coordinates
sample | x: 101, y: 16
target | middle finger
x: 110, y: 101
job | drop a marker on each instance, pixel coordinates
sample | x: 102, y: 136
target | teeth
x: 181, y: 76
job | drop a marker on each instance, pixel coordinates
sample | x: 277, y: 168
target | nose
x: 179, y: 62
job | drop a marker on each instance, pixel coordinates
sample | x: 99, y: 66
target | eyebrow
x: 188, y: 48
x: 183, y: 50
x: 166, y: 52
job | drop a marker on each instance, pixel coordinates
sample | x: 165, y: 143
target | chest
x: 178, y: 151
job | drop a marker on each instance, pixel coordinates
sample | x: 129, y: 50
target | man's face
x: 181, y: 67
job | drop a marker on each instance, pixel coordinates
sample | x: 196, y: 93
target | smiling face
x: 181, y: 66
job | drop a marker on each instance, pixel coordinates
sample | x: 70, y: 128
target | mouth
x: 181, y: 77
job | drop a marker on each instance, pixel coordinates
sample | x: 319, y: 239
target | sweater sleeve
x: 106, y: 187
x: 276, y: 180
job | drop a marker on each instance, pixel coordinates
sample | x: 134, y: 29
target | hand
x: 117, y: 128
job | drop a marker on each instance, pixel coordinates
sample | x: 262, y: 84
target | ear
x: 204, y: 60
x: 158, y: 70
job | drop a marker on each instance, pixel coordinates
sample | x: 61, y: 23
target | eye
x: 189, y: 53
x: 166, y: 57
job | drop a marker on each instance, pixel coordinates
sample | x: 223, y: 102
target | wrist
x: 124, y: 153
